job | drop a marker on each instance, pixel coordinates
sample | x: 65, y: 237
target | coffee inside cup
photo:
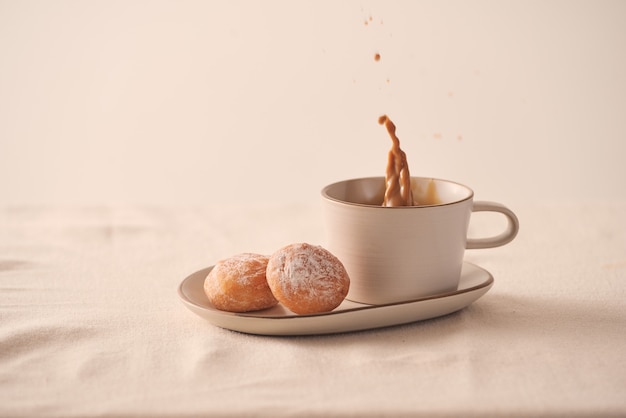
x: 371, y: 191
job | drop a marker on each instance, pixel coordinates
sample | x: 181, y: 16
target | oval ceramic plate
x: 349, y: 316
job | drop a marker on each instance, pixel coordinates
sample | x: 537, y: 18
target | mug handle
x: 498, y: 240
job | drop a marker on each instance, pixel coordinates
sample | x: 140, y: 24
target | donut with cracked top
x: 238, y: 284
x: 307, y: 279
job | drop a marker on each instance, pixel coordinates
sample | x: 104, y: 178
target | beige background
x: 110, y: 109
x: 193, y: 102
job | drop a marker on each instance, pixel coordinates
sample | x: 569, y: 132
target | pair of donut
x: 304, y: 278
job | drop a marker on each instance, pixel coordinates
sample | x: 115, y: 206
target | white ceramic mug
x: 394, y: 254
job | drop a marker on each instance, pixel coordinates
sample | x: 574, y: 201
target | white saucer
x: 349, y: 316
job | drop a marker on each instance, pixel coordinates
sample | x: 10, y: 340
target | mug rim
x: 326, y: 196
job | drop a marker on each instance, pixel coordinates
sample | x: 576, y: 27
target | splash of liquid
x: 397, y: 177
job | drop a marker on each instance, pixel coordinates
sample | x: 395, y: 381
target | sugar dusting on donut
x: 307, y: 278
x: 245, y: 267
x: 238, y: 284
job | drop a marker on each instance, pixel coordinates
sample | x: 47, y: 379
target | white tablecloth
x: 91, y: 324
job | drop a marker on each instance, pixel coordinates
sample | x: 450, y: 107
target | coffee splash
x: 398, y: 190
x: 397, y: 178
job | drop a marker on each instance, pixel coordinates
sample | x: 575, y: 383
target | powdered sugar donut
x: 238, y: 284
x: 307, y: 279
